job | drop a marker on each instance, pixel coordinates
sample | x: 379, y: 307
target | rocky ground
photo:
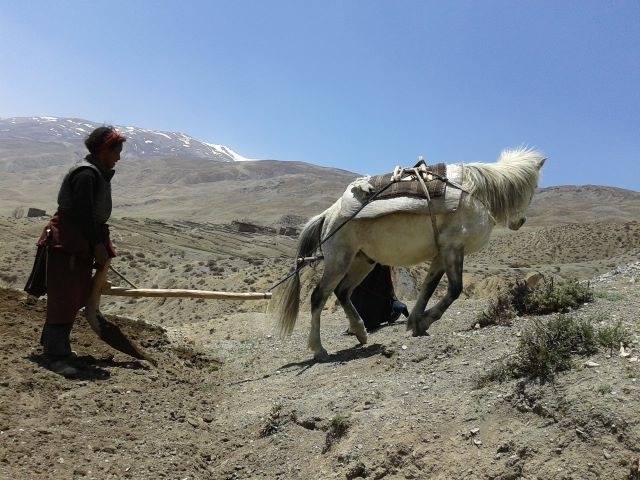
x: 230, y: 400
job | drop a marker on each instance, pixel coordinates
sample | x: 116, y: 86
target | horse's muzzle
x: 515, y: 225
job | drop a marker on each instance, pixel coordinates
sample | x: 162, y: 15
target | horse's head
x: 516, y: 220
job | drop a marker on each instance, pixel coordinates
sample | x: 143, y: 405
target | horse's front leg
x: 453, y: 260
x: 436, y: 270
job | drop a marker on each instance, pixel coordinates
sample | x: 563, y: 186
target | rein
x: 303, y: 262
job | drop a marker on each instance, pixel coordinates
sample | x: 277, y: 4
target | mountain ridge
x: 193, y: 183
x: 141, y: 142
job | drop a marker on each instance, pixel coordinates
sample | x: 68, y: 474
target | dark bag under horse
x: 375, y: 299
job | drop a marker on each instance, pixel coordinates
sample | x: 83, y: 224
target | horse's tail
x: 289, y: 301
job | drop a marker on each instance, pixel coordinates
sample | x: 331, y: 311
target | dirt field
x: 230, y: 400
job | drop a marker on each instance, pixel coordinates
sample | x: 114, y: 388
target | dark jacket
x: 85, y: 199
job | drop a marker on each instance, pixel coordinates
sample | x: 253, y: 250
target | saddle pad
x: 357, y: 193
x: 412, y: 188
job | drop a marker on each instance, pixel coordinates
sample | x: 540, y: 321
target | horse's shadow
x: 340, y: 356
x: 90, y: 367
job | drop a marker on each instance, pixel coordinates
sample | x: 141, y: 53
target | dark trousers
x: 68, y: 286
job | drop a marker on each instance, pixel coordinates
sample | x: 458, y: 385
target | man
x: 375, y: 299
x: 75, y: 238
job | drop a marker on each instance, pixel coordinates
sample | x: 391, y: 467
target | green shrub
x: 499, y: 312
x: 551, y: 297
x: 545, y: 348
x: 545, y: 298
x: 610, y: 337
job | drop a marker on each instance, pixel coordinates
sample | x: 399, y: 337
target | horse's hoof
x: 420, y: 334
x: 411, y: 323
x: 321, y: 356
x: 362, y: 337
x: 420, y: 330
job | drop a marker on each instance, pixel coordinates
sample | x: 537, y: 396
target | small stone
x: 404, y: 347
x: 606, y: 454
x: 581, y: 433
x: 591, y: 364
x: 624, y: 352
x: 513, y: 460
x: 474, y: 431
x: 477, y: 442
x: 504, y: 448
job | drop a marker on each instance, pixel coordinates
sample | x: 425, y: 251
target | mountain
x: 161, y: 174
x: 583, y: 204
x: 35, y: 142
x: 174, y: 176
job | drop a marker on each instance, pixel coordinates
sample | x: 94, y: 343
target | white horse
x: 496, y: 193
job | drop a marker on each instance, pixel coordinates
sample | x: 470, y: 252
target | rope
x: 121, y: 276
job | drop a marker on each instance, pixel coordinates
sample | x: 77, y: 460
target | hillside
x: 229, y: 400
x: 177, y: 177
x: 583, y: 204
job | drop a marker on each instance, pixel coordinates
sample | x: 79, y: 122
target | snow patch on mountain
x: 140, y: 142
x: 221, y: 149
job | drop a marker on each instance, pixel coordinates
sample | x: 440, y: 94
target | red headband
x: 113, y: 138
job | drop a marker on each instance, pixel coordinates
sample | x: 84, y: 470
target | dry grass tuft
x: 272, y: 422
x: 337, y: 429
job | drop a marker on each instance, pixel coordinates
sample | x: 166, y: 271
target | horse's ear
x: 541, y: 162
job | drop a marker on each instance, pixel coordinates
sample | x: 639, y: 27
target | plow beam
x: 180, y: 293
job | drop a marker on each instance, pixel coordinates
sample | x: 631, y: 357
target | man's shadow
x: 90, y: 367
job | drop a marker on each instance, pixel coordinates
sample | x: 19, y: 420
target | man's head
x: 105, y: 144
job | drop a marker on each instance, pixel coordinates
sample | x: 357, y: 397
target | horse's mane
x: 506, y: 187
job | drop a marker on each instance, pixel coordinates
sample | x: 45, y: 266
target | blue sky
x: 359, y: 85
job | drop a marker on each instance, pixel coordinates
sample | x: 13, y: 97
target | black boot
x: 56, y: 347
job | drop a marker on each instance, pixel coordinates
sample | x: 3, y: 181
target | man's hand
x: 100, y: 254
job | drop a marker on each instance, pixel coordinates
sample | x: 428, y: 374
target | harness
x: 419, y: 172
x: 431, y: 180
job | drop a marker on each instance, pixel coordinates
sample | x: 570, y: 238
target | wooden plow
x: 111, y: 333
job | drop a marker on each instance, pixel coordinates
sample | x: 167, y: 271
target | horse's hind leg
x: 360, y: 268
x: 453, y: 260
x: 429, y: 285
x: 335, y: 267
